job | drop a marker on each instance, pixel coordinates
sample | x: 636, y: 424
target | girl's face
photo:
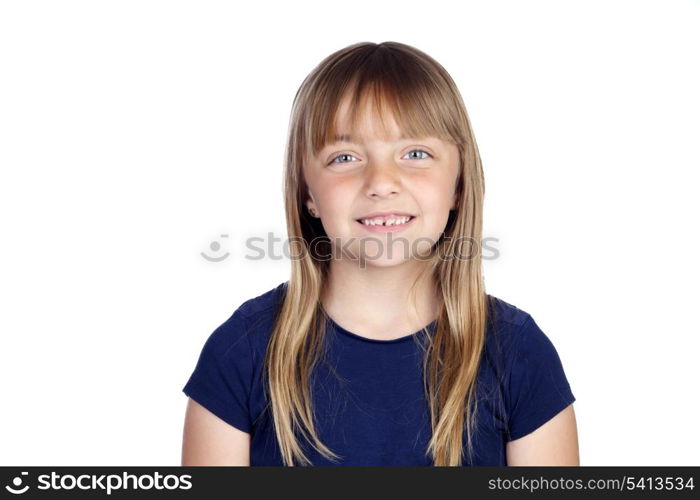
x: 356, y: 177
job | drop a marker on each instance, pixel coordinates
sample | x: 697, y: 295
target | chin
x: 382, y: 262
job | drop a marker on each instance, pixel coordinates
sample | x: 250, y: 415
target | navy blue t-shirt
x: 370, y: 408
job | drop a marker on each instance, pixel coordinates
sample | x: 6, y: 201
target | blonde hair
x: 425, y: 102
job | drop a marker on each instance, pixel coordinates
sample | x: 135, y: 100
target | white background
x: 135, y: 133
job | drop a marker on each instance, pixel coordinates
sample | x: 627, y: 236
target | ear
x: 311, y: 206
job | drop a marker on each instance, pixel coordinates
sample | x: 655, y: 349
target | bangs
x: 384, y: 84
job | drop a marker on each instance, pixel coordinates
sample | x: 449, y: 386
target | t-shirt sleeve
x: 222, y: 378
x: 537, y: 385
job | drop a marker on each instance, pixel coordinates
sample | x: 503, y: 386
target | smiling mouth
x: 399, y: 221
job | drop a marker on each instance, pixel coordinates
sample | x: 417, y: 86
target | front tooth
x: 396, y: 222
x: 390, y: 222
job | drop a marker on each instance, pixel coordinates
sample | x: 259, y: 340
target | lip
x: 385, y: 214
x: 387, y: 229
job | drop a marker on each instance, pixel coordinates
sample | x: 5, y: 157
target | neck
x: 374, y: 299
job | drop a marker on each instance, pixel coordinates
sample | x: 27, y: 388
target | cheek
x: 336, y: 205
x: 434, y: 196
x: 335, y: 196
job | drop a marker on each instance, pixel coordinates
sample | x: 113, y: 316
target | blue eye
x: 412, y: 151
x: 343, y: 154
x: 420, y: 151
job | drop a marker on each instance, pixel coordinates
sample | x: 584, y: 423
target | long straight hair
x: 425, y: 101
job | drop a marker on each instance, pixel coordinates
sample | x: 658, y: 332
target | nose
x: 382, y: 179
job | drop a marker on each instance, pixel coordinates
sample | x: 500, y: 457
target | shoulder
x: 254, y: 318
x: 505, y: 322
x: 527, y: 353
x: 226, y: 379
x: 237, y: 346
x: 505, y: 314
x: 514, y: 335
x: 261, y: 305
x: 535, y: 384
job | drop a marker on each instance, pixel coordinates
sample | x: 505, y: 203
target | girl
x: 383, y: 348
